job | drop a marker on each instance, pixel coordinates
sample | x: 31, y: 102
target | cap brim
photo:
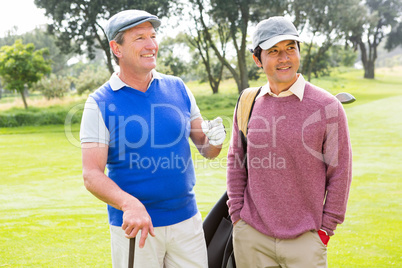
x: 275, y: 40
x: 155, y: 23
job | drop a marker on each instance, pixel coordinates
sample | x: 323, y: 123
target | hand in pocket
x: 324, y: 237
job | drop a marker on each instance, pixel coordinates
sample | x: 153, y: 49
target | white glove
x: 214, y: 130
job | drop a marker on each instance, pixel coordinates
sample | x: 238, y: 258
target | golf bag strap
x: 245, y: 105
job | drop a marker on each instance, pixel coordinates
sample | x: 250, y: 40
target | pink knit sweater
x: 299, y: 165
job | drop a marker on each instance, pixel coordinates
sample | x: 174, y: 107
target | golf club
x: 131, y: 253
x: 345, y: 97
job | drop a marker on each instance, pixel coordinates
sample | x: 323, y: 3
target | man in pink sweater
x: 291, y: 192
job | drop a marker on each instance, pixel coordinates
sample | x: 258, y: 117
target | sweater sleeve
x: 236, y: 173
x: 338, y: 158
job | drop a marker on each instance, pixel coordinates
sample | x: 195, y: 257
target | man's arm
x: 135, y: 216
x: 202, y: 142
x: 338, y: 157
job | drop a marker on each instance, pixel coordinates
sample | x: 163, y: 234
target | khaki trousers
x: 253, y: 249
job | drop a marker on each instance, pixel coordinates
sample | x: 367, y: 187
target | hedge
x: 54, y: 115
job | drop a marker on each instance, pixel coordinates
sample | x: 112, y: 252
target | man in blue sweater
x: 138, y: 126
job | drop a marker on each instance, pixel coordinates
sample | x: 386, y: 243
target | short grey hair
x: 119, y: 38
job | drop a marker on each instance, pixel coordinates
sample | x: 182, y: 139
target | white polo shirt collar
x: 116, y: 83
x: 297, y: 89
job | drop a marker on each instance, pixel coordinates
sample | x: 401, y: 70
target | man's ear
x: 257, y: 61
x: 115, y: 48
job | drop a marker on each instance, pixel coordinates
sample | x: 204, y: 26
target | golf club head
x: 345, y: 97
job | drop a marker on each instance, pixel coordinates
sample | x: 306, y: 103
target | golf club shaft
x: 131, y: 253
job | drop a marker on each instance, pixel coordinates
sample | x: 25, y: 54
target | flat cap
x: 271, y: 31
x: 127, y: 19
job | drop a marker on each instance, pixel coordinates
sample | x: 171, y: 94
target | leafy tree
x: 200, y: 43
x: 78, y: 23
x: 372, y: 27
x: 170, y: 62
x: 322, y: 63
x: 335, y: 56
x: 342, y: 56
x: 254, y: 72
x: 327, y: 22
x: 395, y: 37
x: 236, y: 16
x: 21, y: 66
x: 41, y: 39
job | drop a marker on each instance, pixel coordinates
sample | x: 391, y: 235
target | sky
x: 21, y: 13
x: 26, y: 16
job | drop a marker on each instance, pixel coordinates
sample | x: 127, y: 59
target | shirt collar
x: 297, y: 89
x: 116, y: 83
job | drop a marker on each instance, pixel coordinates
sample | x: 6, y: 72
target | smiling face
x: 280, y: 64
x: 139, y: 49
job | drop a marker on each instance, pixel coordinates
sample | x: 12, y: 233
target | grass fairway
x: 48, y: 219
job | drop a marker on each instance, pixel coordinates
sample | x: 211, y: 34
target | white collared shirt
x: 116, y: 83
x: 93, y: 128
x: 297, y: 89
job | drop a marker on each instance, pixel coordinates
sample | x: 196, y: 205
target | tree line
x: 218, y: 23
x: 217, y: 33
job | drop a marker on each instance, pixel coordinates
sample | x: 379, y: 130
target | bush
x: 8, y: 121
x: 91, y: 78
x: 53, y: 86
x: 54, y: 115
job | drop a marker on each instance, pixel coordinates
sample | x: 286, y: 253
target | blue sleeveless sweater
x: 149, y: 154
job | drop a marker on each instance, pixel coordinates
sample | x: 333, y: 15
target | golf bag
x: 218, y: 236
x: 217, y: 225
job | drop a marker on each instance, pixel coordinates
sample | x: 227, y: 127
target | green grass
x: 370, y: 236
x: 48, y: 219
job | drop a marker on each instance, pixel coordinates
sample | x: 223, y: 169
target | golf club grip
x: 131, y: 253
